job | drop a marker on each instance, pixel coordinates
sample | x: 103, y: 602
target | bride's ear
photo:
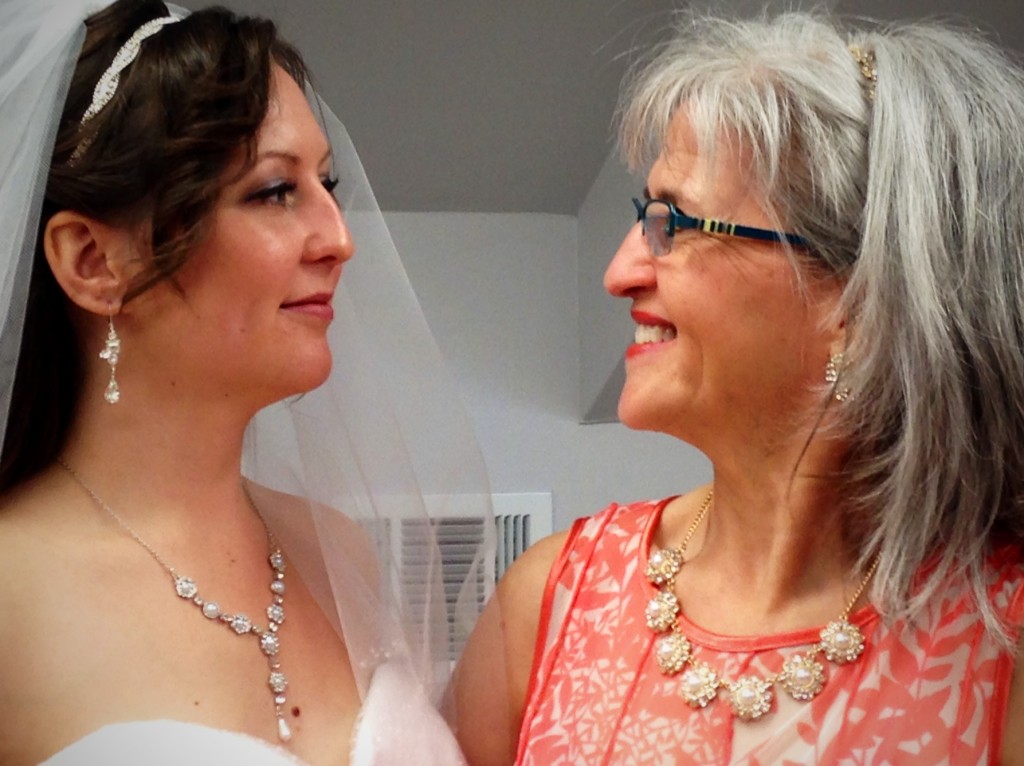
x: 90, y: 260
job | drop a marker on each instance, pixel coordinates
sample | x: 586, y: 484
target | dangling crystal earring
x: 111, y: 353
x: 832, y: 370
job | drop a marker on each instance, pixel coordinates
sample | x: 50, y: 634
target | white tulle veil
x: 353, y: 476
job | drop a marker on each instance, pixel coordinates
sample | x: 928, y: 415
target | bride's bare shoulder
x: 309, y: 530
x: 47, y: 625
x: 37, y: 530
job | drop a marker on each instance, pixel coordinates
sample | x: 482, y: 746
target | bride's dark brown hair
x: 157, y: 157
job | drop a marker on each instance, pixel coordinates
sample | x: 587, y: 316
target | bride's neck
x: 186, y: 457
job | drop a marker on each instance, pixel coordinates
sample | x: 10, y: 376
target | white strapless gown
x: 397, y: 727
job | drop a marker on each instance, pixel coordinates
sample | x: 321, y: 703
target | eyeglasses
x: 661, y: 220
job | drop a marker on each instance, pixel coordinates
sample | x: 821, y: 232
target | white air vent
x: 521, y: 519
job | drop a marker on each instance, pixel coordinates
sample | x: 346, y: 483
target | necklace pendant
x: 750, y: 697
x: 802, y: 677
x: 270, y: 644
x: 185, y: 587
x: 284, y: 732
x: 700, y: 685
x: 241, y: 624
x: 842, y: 641
x: 672, y: 652
x: 661, y: 611
x: 663, y: 565
x: 276, y: 559
x: 277, y: 682
x: 275, y: 613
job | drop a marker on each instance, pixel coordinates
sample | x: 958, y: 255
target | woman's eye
x: 330, y: 183
x: 278, y: 194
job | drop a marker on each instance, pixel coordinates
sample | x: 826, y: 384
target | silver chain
x: 186, y: 588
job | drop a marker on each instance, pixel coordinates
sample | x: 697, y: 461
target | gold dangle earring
x: 833, y: 369
x: 111, y: 354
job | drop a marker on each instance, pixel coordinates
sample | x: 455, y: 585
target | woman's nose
x: 632, y: 267
x: 331, y: 238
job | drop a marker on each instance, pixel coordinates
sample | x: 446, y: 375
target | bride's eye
x: 281, y: 193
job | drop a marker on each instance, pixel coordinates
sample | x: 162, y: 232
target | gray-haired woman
x: 827, y: 276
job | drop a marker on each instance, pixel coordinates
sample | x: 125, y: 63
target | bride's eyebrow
x: 288, y: 156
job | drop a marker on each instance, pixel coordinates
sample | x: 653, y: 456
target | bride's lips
x: 315, y: 305
x: 652, y: 334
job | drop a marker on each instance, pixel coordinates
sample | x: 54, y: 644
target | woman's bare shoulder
x: 303, y: 527
x: 493, y: 676
x: 526, y: 579
x: 46, y: 621
x: 35, y: 527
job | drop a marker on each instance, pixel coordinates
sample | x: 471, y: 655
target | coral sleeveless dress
x: 933, y: 692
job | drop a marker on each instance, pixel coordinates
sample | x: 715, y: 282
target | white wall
x: 605, y: 326
x: 501, y: 292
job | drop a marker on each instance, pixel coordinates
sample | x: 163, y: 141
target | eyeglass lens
x: 657, y: 227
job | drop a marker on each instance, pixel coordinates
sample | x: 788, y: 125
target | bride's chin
x: 316, y: 373
x: 298, y: 379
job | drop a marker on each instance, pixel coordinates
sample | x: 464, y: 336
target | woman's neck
x: 774, y: 546
x: 142, y: 455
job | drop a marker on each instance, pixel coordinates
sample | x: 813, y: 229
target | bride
x: 182, y: 412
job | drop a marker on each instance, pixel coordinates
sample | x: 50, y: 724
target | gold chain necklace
x: 269, y: 638
x: 802, y: 676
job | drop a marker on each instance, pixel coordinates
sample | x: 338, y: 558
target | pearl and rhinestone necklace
x: 802, y: 676
x: 241, y: 625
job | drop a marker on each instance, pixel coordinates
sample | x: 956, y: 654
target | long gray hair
x: 910, y: 188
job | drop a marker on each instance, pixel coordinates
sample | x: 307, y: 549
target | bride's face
x: 250, y: 313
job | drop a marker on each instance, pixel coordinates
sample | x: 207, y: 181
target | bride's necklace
x: 269, y: 637
x: 802, y: 676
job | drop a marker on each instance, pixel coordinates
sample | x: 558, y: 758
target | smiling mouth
x: 646, y: 333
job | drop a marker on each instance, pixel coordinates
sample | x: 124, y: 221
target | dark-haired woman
x: 195, y: 561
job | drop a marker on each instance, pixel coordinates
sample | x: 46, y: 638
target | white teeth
x: 646, y: 333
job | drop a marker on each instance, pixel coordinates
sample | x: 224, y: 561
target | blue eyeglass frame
x: 679, y: 221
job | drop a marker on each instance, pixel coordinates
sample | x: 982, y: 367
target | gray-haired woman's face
x: 728, y: 343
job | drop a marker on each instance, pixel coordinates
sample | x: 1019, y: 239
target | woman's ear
x: 830, y: 311
x: 90, y: 260
x: 839, y: 339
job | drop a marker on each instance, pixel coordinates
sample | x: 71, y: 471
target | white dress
x: 397, y: 726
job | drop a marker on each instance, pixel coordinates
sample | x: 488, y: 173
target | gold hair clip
x: 866, y: 61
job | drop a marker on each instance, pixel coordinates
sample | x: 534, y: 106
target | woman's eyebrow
x: 289, y: 156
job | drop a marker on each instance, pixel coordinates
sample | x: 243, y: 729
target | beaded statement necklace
x: 802, y: 676
x: 269, y: 638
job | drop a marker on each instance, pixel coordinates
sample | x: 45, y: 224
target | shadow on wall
x: 604, y: 408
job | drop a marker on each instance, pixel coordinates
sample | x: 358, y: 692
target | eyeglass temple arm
x: 711, y: 226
